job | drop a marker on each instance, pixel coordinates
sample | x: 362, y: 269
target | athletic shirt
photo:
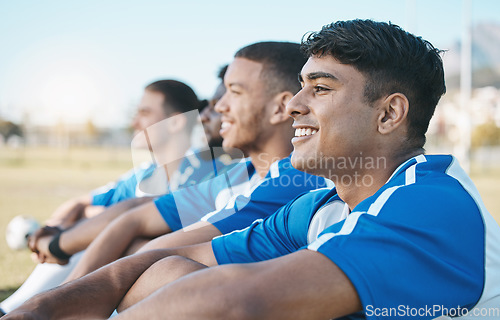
x: 423, y: 243
x: 236, y: 196
x: 150, y: 180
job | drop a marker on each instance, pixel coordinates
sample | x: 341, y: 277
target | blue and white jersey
x: 126, y: 187
x: 235, y: 198
x: 422, y: 245
x: 197, y: 166
x: 150, y: 180
x: 284, y: 232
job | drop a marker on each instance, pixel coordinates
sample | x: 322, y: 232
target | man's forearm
x: 199, y: 232
x: 99, y: 293
x: 69, y: 212
x: 93, y: 296
x: 81, y: 235
x: 113, y: 241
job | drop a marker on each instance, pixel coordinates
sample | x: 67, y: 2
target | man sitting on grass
x: 412, y: 231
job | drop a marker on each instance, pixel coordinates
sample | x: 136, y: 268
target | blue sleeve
x: 168, y: 210
x: 113, y: 193
x: 187, y: 206
x: 279, y: 234
x: 411, y: 251
x: 268, y: 197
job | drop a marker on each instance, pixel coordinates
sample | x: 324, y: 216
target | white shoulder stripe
x: 274, y: 170
x: 352, y: 219
x: 347, y: 228
x: 329, y: 214
x: 421, y: 158
x: 410, y: 175
x: 381, y: 200
x: 373, y: 210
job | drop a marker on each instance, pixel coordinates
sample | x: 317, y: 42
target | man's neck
x: 364, y: 182
x: 173, y: 154
x: 262, y: 160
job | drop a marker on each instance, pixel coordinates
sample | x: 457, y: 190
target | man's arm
x: 96, y: 295
x: 113, y: 241
x: 82, y: 234
x: 198, y: 232
x: 301, y: 285
x: 70, y: 211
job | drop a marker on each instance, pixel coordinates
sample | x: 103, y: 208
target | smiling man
x: 414, y: 237
x: 260, y: 81
x: 416, y: 234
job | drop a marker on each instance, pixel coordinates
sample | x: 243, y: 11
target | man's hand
x: 39, y: 244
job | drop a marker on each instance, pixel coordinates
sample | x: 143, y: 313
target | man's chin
x: 304, y: 163
x: 298, y: 162
x: 227, y: 144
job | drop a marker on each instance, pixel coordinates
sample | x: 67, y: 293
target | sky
x: 74, y: 61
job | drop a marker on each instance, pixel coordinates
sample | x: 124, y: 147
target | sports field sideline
x: 35, y: 181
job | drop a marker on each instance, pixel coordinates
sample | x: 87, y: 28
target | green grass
x: 35, y: 181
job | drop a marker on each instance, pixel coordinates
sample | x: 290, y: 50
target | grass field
x: 35, y: 181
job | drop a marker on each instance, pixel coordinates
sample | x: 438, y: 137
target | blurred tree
x: 8, y: 129
x: 487, y: 134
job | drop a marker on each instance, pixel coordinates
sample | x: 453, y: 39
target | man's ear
x: 278, y: 112
x: 393, y: 113
x: 176, y: 123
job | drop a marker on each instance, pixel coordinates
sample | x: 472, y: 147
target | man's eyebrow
x: 235, y: 84
x: 319, y: 74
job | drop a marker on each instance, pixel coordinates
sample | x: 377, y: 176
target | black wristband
x: 53, y: 228
x: 56, y: 251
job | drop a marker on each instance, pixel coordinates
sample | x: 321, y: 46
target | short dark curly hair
x: 392, y: 60
x: 178, y: 96
x: 282, y: 61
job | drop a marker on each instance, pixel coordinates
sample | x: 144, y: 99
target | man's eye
x: 320, y: 89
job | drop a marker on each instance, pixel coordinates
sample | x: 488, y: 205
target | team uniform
x: 423, y: 245
x: 150, y: 180
x: 236, y: 197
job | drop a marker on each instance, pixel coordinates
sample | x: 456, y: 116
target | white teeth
x: 300, y: 132
x: 225, y: 125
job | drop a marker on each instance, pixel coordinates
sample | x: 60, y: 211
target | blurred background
x: 72, y: 73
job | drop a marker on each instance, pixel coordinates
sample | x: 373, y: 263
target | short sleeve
x: 186, y: 206
x: 115, y: 192
x: 281, y: 233
x: 266, y: 199
x: 408, y: 252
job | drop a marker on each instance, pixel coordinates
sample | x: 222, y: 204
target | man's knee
x: 176, y: 266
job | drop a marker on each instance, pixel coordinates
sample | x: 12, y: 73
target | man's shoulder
x: 423, y: 186
x: 314, y: 199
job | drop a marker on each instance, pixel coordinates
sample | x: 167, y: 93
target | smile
x: 301, y: 132
x: 225, y: 125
